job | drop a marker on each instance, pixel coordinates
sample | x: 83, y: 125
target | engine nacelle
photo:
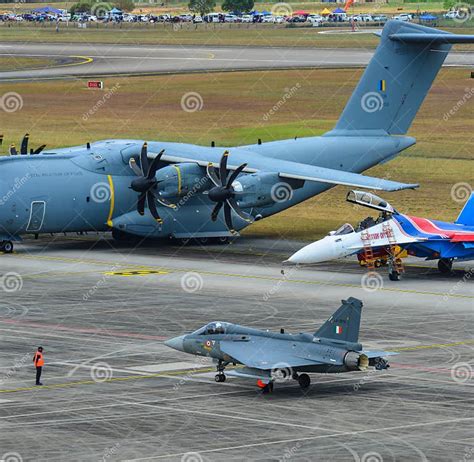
x: 179, y: 180
x: 356, y: 361
x: 256, y: 189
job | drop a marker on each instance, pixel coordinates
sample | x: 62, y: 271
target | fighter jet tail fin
x: 397, y: 79
x: 466, y: 217
x: 344, y: 324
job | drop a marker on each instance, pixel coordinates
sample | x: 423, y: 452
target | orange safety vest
x: 39, y: 361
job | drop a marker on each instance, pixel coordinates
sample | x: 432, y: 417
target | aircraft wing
x: 298, y: 171
x: 267, y: 353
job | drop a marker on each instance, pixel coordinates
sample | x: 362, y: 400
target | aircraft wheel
x: 220, y: 378
x: 268, y: 388
x: 445, y: 265
x: 203, y: 240
x: 304, y: 381
x: 223, y: 240
x: 394, y: 276
x: 6, y: 246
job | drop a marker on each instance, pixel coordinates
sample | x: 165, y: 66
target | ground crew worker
x: 38, y: 361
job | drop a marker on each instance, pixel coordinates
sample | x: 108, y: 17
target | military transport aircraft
x: 174, y: 190
x: 392, y: 232
x: 272, y: 357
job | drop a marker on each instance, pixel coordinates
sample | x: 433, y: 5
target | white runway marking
x: 309, y: 438
x: 165, y: 367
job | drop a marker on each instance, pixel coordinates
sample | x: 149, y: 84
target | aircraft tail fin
x: 344, y: 324
x: 397, y: 79
x: 466, y: 217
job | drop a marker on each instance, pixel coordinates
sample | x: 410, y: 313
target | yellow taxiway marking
x: 434, y: 345
x: 135, y: 272
x: 85, y: 60
x: 189, y: 372
x: 250, y: 276
x: 112, y: 379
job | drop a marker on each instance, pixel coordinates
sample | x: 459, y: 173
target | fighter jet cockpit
x: 213, y: 328
x: 346, y: 228
x: 372, y: 201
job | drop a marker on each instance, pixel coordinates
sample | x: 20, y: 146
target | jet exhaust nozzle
x: 356, y: 361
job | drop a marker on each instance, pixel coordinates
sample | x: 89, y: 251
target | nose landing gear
x: 220, y: 376
x: 6, y: 246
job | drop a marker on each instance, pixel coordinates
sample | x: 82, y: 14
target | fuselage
x: 325, y: 355
x: 80, y: 189
x: 429, y: 239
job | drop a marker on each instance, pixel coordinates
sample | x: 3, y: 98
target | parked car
x: 230, y: 18
x: 403, y: 17
x: 247, y: 18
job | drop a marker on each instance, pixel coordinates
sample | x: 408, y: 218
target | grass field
x: 199, y: 34
x: 234, y: 105
x: 9, y: 63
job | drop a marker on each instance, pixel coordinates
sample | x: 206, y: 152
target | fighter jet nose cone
x: 177, y: 343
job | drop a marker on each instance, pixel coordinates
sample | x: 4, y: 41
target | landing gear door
x: 37, y: 212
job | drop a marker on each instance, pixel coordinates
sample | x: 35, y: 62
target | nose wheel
x: 220, y: 376
x: 6, y: 246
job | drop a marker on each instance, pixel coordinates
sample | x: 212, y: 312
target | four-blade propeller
x: 146, y: 183
x: 223, y: 192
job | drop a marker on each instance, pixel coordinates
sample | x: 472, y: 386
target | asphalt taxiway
x: 86, y: 60
x: 113, y: 391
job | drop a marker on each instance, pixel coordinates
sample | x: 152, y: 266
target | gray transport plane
x: 164, y: 189
x: 270, y: 357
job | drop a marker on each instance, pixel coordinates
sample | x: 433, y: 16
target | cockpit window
x: 344, y: 229
x: 212, y: 328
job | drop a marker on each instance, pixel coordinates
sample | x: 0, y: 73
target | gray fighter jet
x: 272, y: 357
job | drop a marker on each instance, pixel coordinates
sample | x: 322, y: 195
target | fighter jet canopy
x: 370, y: 200
x: 215, y: 327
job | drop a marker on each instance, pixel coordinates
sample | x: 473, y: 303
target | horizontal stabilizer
x: 397, y: 79
x: 435, y: 38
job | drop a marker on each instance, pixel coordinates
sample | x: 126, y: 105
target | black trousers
x: 38, y: 374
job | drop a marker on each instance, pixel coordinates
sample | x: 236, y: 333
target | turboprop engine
x: 179, y: 180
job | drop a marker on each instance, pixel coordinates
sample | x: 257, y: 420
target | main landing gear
x: 445, y: 265
x: 303, y: 379
x: 395, y: 268
x: 6, y: 246
x: 220, y: 376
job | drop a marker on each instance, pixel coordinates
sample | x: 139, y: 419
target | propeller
x: 24, y: 148
x: 146, y: 183
x: 223, y: 192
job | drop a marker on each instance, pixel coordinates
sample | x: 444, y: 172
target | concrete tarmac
x: 87, y: 60
x: 113, y: 391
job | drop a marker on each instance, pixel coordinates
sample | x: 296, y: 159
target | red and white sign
x: 95, y: 84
